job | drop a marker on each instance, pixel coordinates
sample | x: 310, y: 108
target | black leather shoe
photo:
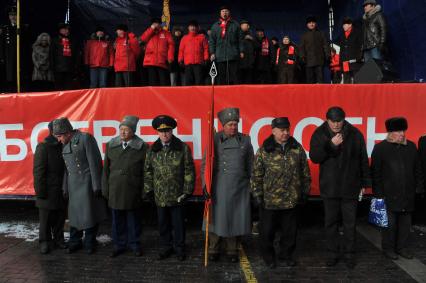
x: 137, y: 253
x: 350, y: 263
x: 73, y: 249
x: 332, y: 261
x: 90, y: 251
x: 390, y: 254
x: 290, y: 262
x: 61, y: 245
x: 233, y: 258
x: 44, y: 248
x: 213, y: 257
x: 405, y: 254
x: 181, y: 257
x: 116, y: 253
x: 165, y: 254
x: 270, y: 263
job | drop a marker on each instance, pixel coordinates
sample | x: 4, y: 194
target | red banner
x: 24, y: 117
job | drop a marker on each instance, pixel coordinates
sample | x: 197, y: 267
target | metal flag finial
x: 213, y: 72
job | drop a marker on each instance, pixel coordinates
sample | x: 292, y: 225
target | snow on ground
x: 29, y: 232
x: 20, y: 230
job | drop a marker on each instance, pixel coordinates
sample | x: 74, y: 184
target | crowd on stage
x: 184, y: 55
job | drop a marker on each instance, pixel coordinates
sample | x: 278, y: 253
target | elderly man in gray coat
x: 231, y: 216
x: 82, y: 184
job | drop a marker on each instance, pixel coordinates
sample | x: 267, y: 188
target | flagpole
x: 209, y: 161
x: 18, y: 46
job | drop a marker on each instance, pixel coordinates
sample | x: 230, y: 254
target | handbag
x: 378, y: 215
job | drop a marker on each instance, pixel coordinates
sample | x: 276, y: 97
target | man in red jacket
x: 159, y: 53
x: 193, y: 53
x: 99, y: 56
x: 127, y: 51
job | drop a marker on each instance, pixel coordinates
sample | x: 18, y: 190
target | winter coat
x: 351, y: 49
x: 397, y: 174
x: 422, y: 155
x: 127, y: 51
x: 374, y: 29
x: 193, y: 49
x: 283, y: 58
x: 280, y: 177
x: 169, y: 172
x: 344, y: 169
x: 263, y: 62
x: 98, y: 53
x: 83, y: 180
x: 314, y: 49
x: 250, y: 45
x: 60, y: 62
x: 41, y: 60
x: 233, y: 160
x: 122, y: 178
x: 8, y: 54
x: 160, y: 48
x: 48, y: 172
x: 230, y: 46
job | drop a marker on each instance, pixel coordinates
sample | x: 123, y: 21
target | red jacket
x: 127, y: 51
x: 160, y: 47
x: 98, y: 53
x: 193, y: 49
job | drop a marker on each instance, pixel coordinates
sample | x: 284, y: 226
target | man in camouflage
x: 280, y: 179
x: 170, y: 176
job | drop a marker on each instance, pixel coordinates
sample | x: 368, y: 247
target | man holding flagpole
x: 230, y: 195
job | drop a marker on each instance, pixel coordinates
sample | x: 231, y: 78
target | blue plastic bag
x: 377, y: 214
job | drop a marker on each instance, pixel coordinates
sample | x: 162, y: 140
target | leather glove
x: 207, y: 196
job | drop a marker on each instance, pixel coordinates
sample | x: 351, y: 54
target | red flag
x: 209, y: 162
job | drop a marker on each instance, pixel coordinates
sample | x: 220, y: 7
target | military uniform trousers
x: 271, y: 221
x: 89, y: 241
x: 395, y: 236
x: 340, y: 210
x: 51, y: 225
x: 172, y: 228
x: 126, y: 229
x: 229, y: 244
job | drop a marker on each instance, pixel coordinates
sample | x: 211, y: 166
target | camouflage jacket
x: 280, y: 176
x: 169, y: 172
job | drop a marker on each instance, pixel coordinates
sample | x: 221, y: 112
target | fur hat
x: 224, y: 7
x: 193, y: 23
x: 347, y: 20
x: 130, y: 121
x: 61, y: 126
x: 100, y: 28
x: 229, y: 114
x: 396, y: 124
x: 244, y: 22
x: 122, y: 27
x: 372, y: 2
x: 63, y: 26
x: 311, y: 19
